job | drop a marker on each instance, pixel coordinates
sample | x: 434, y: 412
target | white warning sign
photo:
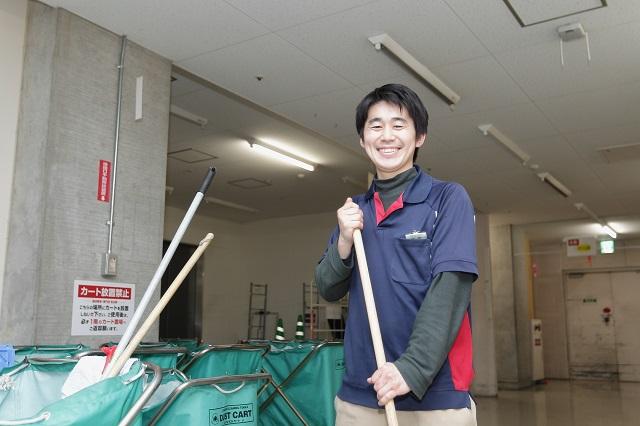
x: 581, y: 246
x: 101, y: 308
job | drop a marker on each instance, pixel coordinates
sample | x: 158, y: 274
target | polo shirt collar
x: 417, y: 191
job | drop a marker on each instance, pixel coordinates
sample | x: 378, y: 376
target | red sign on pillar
x: 104, y: 181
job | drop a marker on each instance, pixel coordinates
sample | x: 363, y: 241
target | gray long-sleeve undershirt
x: 435, y: 329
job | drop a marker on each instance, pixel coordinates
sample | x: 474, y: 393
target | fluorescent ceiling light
x: 605, y: 227
x: 587, y: 210
x: 189, y: 116
x: 280, y: 155
x: 608, y: 230
x: 441, y: 89
x: 489, y: 129
x: 229, y: 204
x: 520, y: 154
x: 555, y: 184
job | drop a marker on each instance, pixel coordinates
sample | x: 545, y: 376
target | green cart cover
x: 164, y: 359
x: 28, y: 387
x: 145, y: 345
x: 216, y: 401
x: 171, y: 379
x: 163, y: 354
x: 48, y: 351
x: 191, y: 345
x: 309, y: 374
x: 225, y: 360
x: 32, y: 395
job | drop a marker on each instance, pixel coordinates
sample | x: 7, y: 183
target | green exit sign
x: 607, y: 247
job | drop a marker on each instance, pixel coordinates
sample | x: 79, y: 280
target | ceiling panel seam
x: 299, y: 24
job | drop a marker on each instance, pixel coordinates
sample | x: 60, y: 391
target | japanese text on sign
x: 104, y: 180
x: 582, y: 246
x: 101, y: 308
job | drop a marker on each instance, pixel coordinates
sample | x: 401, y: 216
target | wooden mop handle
x: 374, y: 325
x: 119, y: 362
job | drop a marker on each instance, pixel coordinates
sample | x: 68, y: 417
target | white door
x: 626, y: 313
x: 592, y: 342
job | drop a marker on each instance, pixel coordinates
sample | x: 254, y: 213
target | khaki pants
x: 348, y: 414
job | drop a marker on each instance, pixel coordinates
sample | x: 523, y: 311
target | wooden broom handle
x: 155, y: 313
x: 372, y: 314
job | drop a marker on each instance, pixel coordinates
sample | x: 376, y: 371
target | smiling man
x: 419, y: 236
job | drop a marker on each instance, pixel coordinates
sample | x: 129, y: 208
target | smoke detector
x: 571, y: 32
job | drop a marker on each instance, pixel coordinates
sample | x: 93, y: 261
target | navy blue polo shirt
x: 430, y: 229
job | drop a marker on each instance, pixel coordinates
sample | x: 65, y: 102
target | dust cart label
x: 231, y: 415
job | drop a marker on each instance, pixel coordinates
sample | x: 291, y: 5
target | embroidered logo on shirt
x: 416, y: 235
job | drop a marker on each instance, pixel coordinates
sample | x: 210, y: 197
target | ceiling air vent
x: 617, y: 153
x: 529, y: 12
x: 249, y: 183
x: 190, y: 155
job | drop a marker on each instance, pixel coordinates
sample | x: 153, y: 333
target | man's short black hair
x: 401, y: 96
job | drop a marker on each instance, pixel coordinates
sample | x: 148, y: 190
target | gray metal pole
x: 157, y: 277
x: 109, y: 261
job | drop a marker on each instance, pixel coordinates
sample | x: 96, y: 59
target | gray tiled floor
x: 564, y: 403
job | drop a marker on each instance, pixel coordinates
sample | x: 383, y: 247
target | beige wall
x: 13, y: 18
x: 283, y: 254
x: 550, y: 260
x: 279, y: 252
x: 225, y: 280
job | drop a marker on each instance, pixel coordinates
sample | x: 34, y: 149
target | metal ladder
x: 257, y: 311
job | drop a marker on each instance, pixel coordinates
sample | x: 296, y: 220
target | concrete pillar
x: 503, y: 308
x: 13, y: 22
x: 523, y: 303
x: 485, y: 382
x: 66, y: 125
x: 511, y: 303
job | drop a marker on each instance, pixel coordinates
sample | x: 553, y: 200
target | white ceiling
x: 317, y: 63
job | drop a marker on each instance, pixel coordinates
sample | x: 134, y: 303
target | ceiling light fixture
x: 189, y: 116
x: 434, y: 83
x: 606, y: 228
x: 609, y: 230
x: 230, y: 204
x: 550, y: 180
x: 490, y: 129
x: 280, y: 155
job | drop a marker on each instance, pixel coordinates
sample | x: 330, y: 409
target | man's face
x: 389, y: 139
